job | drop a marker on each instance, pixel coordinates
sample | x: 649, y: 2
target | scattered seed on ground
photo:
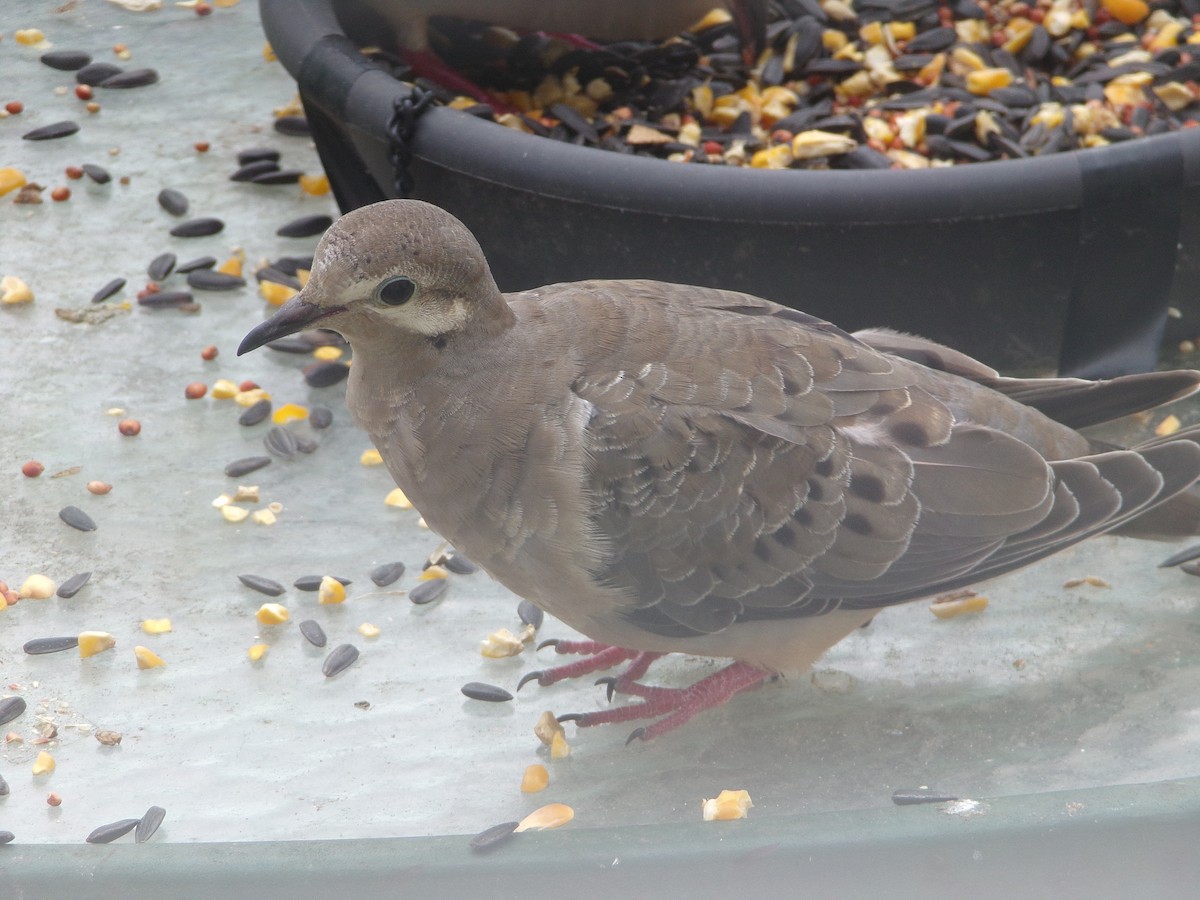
x: 108, y: 290
x: 94, y: 73
x: 4, y: 789
x: 77, y: 518
x: 167, y: 300
x: 106, y: 834
x: 313, y: 582
x: 148, y: 824
x: 73, y: 585
x: 161, y: 266
x: 267, y: 586
x: 325, y: 374
x: 339, y: 659
x: 240, y: 467
x: 493, y: 837
x: 1187, y: 554
x: 10, y: 708
x: 212, y: 280
x: 313, y: 633
x: 108, y: 738
x: 98, y: 174
x: 257, y: 154
x: 388, y: 573
x: 427, y: 591
x: 913, y: 796
x: 281, y: 442
x: 459, y: 564
x: 41, y: 646
x: 195, y: 390
x: 290, y: 345
x: 66, y: 60
x: 251, y: 170
x: 305, y: 226
x: 173, y: 201
x: 52, y: 131
x: 200, y: 262
x: 294, y: 126
x: 256, y: 413
x: 32, y: 469
x: 202, y: 227
x: 320, y: 417
x: 7, y: 837
x: 282, y: 176
x: 99, y: 488
x: 488, y: 693
x: 530, y: 613
x: 132, y: 79
x: 129, y: 427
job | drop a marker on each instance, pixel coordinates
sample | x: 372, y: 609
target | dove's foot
x: 675, y: 705
x: 597, y: 656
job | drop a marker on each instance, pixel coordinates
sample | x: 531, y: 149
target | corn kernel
x: 872, y: 33
x: 1128, y: 12
x: 37, y: 587
x: 1175, y: 96
x: 546, y: 727
x: 501, y: 645
x: 233, y: 265
x: 559, y: 748
x: 302, y: 277
x: 985, y: 81
x: 1020, y: 33
x: 1167, y: 37
x: 29, y: 36
x: 328, y: 353
x: 289, y: 412
x: 833, y: 40
x: 535, y: 779
x: 1169, y: 425
x: 268, y: 53
x: 276, y: 294
x: 371, y: 457
x: 431, y: 572
x: 727, y: 805
x: 367, y: 630
x: 44, y: 764
x: 147, y: 658
x: 550, y: 816
x: 156, y: 626
x: 272, y: 614
x: 777, y: 157
x: 93, y: 642
x: 959, y: 606
x: 903, y: 31
x: 257, y: 652
x: 331, y: 591
x: 224, y: 389
x: 396, y: 497
x: 317, y: 185
x: 14, y: 290
x: 809, y: 144
x: 263, y: 517
x: 11, y: 179
x: 233, y: 513
x: 249, y: 398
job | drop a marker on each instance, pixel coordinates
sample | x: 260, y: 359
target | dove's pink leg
x: 597, y: 656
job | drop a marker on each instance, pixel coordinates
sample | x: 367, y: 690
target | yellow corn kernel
x: 1020, y: 32
x: 1048, y: 114
x: 371, y: 457
x: 11, y: 179
x: 727, y: 805
x: 431, y: 572
x: 289, y: 412
x: 777, y: 157
x: 93, y: 642
x: 872, y: 33
x: 147, y: 658
x: 317, y: 185
x: 396, y: 497
x: 1081, y: 21
x: 931, y: 72
x: 156, y: 626
x: 331, y: 591
x: 1167, y: 37
x: 272, y: 614
x: 232, y: 513
x: 328, y: 353
x: 959, y: 606
x: 550, y: 816
x: 833, y: 40
x: 257, y: 652
x: 972, y: 31
x: 810, y: 144
x: 14, y: 290
x: 714, y: 17
x: 501, y: 645
x: 1174, y: 95
x: 987, y: 80
x: 367, y: 630
x: 1169, y: 425
x: 249, y: 398
x: 546, y: 727
x: 535, y: 779
x: 29, y: 36
x: 559, y: 748
x: 44, y: 764
x: 37, y: 587
x: 1123, y: 94
x: 223, y: 389
x: 233, y: 265
x: 302, y: 276
x: 268, y: 53
x: 276, y: 294
x: 263, y: 517
x: 902, y: 31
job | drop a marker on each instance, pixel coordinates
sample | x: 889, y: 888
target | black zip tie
x: 401, y: 129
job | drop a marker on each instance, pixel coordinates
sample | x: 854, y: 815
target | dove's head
x: 400, y: 268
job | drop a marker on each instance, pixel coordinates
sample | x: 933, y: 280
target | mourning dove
x: 683, y: 469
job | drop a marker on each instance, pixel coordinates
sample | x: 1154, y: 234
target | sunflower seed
x: 166, y: 299
x: 148, y: 824
x: 108, y: 290
x: 77, y: 518
x: 131, y: 79
x: 10, y: 708
x: 66, y: 60
x: 427, y: 591
x: 197, y: 228
x: 325, y: 374
x: 305, y: 226
x: 1185, y: 555
x: 245, y: 466
x: 40, y: 646
x: 296, y: 126
x: 173, y: 201
x: 266, y: 273
x: 488, y: 693
x: 340, y: 659
x: 1190, y: 568
x: 73, y: 585
x: 256, y: 154
x: 290, y: 265
x: 3, y: 788
x: 305, y: 444
x: 263, y: 585
x: 106, y: 834
x: 6, y: 837
x: 94, y: 73
x: 320, y: 417
x: 459, y: 564
x: 530, y: 613
x: 256, y: 413
x: 251, y: 170
x: 291, y: 345
x: 280, y: 442
x: 200, y: 262
x: 161, y: 266
x: 313, y: 582
x: 388, y: 573
x: 912, y: 796
x: 212, y: 280
x: 49, y: 132
x: 493, y: 837
x: 98, y: 174
x: 283, y: 176
x: 313, y: 633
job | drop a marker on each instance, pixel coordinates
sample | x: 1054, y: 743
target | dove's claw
x: 610, y: 684
x: 549, y: 642
x: 635, y: 735
x: 570, y: 717
x: 531, y: 676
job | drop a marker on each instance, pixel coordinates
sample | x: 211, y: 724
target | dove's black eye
x: 395, y: 291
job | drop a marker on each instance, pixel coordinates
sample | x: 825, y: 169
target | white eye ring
x: 395, y: 291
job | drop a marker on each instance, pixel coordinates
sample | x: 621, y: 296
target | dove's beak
x: 295, y: 315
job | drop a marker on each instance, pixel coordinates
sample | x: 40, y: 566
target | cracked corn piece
x: 93, y: 642
x: 257, y: 652
x: 551, y: 815
x: 44, y: 764
x: 559, y: 748
x: 501, y: 645
x: 397, y: 498
x: 147, y: 658
x: 535, y: 779
x: 727, y: 805
x: 272, y: 614
x: 156, y: 626
x: 331, y: 591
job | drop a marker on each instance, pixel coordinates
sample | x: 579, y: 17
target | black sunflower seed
x: 267, y: 273
x: 73, y: 585
x: 212, y: 280
x: 77, y: 518
x: 6, y: 837
x: 1181, y: 556
x: 493, y: 837
x: 173, y: 201
x: 912, y: 796
x: 339, y: 659
x: 40, y: 646
x: 131, y: 79
x: 10, y: 708
x: 291, y: 345
x: 267, y: 586
x: 488, y: 693
x: 161, y: 266
x: 197, y: 228
x: 283, y: 176
x: 281, y: 442
x: 325, y: 374
x: 388, y: 573
x: 52, y: 131
x: 66, y: 60
x: 257, y: 154
x: 320, y: 417
x: 166, y: 299
x: 305, y: 444
x: 240, y: 467
x: 3, y: 789
x: 256, y: 413
x: 94, y: 73
x: 296, y: 126
x: 530, y: 613
x: 249, y: 171
x: 1190, y: 568
x: 290, y: 265
x: 313, y: 582
x: 427, y: 591
x: 305, y: 226
x: 313, y: 633
x: 459, y: 564
x: 106, y: 834
x: 148, y: 824
x: 108, y: 290
x: 98, y: 174
x: 200, y: 262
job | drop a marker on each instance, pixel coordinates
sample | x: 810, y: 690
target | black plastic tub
x: 1066, y: 262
